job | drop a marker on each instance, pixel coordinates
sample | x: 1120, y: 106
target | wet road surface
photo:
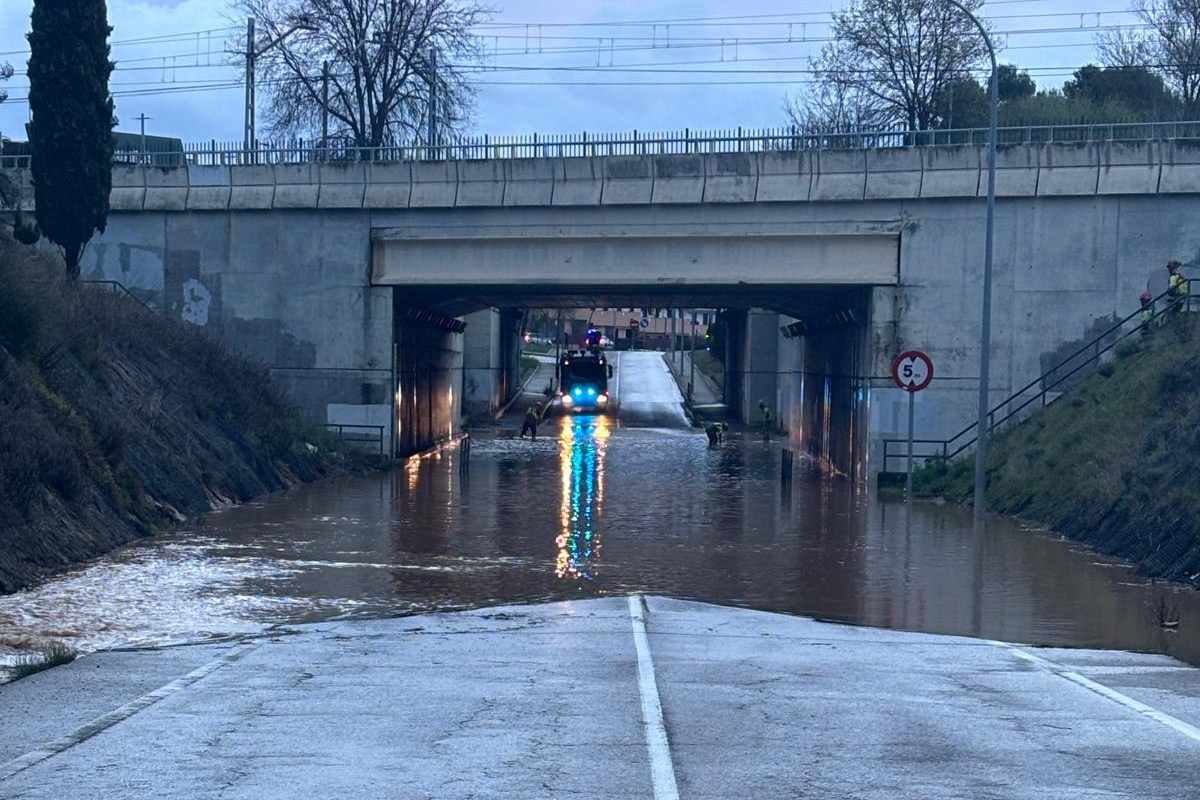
x: 598, y: 506
x: 614, y: 698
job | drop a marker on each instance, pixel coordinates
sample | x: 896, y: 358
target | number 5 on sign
x: 912, y: 371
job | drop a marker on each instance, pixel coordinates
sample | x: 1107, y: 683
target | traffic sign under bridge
x: 912, y: 371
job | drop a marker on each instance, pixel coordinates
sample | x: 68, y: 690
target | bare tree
x: 901, y: 54
x: 837, y: 104
x: 1170, y: 44
x: 381, y: 56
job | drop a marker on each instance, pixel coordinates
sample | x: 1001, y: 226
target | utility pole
x: 142, y: 119
x: 692, y: 358
x: 324, y: 106
x: 433, y: 98
x: 248, y: 113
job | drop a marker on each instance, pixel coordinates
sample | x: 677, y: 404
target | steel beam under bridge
x: 625, y: 256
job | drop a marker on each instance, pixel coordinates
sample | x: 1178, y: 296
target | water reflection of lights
x: 582, y: 444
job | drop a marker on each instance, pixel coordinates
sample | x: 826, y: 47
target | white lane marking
x: 102, y: 723
x: 1174, y: 723
x: 662, y: 771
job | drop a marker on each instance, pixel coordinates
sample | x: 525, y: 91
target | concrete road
x: 646, y: 393
x: 615, y: 698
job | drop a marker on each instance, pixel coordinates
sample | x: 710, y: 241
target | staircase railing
x: 1049, y: 380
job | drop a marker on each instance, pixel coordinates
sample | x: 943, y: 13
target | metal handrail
x: 343, y: 427
x: 950, y: 450
x: 677, y: 142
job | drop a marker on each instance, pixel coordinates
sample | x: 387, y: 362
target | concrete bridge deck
x: 604, y: 698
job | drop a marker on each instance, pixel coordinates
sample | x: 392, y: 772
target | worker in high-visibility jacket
x: 1147, y: 315
x: 1177, y: 286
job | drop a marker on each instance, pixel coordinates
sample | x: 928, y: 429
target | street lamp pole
x: 985, y: 337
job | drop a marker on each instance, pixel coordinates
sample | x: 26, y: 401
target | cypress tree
x: 70, y: 135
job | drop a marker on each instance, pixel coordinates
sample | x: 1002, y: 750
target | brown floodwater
x: 593, y: 509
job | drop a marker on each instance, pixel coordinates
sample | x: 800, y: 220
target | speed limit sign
x: 912, y: 370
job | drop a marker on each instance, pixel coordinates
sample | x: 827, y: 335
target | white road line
x: 1174, y: 723
x: 662, y: 771
x: 103, y: 723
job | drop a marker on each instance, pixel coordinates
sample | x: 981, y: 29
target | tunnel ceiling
x: 794, y: 301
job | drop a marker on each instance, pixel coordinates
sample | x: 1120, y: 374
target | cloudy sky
x: 176, y: 77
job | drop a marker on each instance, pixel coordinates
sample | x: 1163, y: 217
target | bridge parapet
x: 899, y: 173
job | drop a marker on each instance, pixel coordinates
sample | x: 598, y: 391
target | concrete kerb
x: 951, y: 171
x: 481, y: 183
x: 677, y: 179
x: 578, y: 182
x: 1130, y: 169
x: 434, y: 184
x: 342, y: 185
x: 530, y: 181
x: 628, y: 180
x: 166, y: 188
x: 1016, y: 172
x: 252, y: 187
x: 730, y: 178
x: 1180, y: 167
x: 296, y: 186
x: 389, y: 186
x: 128, y: 191
x: 1068, y: 169
x: 209, y: 188
x: 894, y: 173
x: 783, y: 177
x: 839, y: 175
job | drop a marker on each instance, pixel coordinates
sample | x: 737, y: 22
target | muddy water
x: 594, y: 509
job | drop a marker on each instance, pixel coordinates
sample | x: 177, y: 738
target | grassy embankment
x: 115, y: 422
x: 1114, y: 463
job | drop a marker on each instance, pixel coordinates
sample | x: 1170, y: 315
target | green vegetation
x: 54, y: 654
x: 72, y: 120
x: 115, y: 421
x: 1113, y: 463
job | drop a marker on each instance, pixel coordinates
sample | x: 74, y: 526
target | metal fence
x: 636, y: 143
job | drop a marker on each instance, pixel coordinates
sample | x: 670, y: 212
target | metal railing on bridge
x: 635, y: 143
x: 1042, y: 389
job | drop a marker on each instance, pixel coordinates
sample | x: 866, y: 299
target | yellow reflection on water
x: 582, y: 442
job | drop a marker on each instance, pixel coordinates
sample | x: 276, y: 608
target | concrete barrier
x: 480, y: 183
x: 783, y: 177
x: 209, y: 188
x: 1016, y: 172
x: 678, y: 179
x: 253, y: 187
x: 730, y: 178
x: 296, y: 186
x: 578, y: 182
x: 950, y: 171
x: 128, y: 191
x: 529, y: 181
x: 1180, y: 167
x: 388, y: 186
x: 1127, y: 168
x: 839, y: 175
x: 1068, y: 169
x: 628, y: 180
x: 894, y: 173
x: 434, y: 184
x: 343, y: 184
x: 166, y: 188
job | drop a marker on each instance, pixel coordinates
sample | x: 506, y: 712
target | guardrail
x: 354, y: 437
x: 636, y: 143
x: 1049, y: 380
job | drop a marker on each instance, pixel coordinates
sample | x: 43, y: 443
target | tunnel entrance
x: 798, y: 351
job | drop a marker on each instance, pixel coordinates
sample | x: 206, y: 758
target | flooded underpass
x: 594, y: 508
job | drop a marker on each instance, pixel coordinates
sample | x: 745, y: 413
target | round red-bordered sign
x: 912, y: 370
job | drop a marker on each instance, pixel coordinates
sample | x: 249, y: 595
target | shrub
x: 54, y: 654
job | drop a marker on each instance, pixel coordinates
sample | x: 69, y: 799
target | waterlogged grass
x: 1114, y: 462
x: 54, y: 654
